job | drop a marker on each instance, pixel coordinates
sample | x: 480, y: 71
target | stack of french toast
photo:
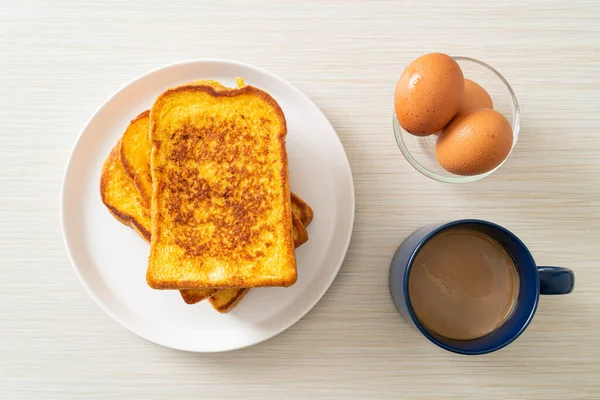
x: 203, y: 177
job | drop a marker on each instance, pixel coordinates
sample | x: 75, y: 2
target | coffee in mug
x: 463, y: 284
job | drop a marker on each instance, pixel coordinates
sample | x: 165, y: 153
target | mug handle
x: 556, y: 280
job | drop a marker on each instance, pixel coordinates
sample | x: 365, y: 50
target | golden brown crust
x: 105, y: 178
x: 131, y: 222
x: 227, y: 92
x: 302, y: 209
x: 129, y: 169
x: 235, y: 283
x: 300, y: 234
x: 179, y: 181
x: 197, y: 295
x: 224, y: 304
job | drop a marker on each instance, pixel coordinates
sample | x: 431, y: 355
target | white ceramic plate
x: 110, y: 259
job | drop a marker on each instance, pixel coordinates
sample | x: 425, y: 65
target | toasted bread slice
x: 220, y: 211
x: 140, y: 156
x: 302, y: 210
x: 135, y: 153
x: 120, y: 196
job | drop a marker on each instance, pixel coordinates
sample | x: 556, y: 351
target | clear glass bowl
x: 420, y: 150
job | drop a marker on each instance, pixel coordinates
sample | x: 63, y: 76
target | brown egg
x: 428, y: 94
x: 474, y: 97
x: 475, y: 142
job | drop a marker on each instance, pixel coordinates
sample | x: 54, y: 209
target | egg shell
x: 428, y: 94
x: 475, y: 142
x: 474, y: 97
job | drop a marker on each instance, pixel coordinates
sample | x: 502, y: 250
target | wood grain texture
x: 60, y: 60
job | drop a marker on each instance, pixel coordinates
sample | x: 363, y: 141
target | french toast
x: 125, y: 203
x: 136, y: 160
x: 220, y: 211
x: 139, y: 157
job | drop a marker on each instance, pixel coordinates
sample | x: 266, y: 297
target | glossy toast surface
x: 220, y: 213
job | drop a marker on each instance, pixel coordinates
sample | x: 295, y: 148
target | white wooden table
x: 59, y: 60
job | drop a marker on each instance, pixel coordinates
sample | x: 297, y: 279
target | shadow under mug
x: 533, y: 281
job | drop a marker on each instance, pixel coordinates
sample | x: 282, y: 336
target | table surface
x: 60, y: 60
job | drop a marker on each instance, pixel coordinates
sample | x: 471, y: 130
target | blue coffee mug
x: 533, y: 281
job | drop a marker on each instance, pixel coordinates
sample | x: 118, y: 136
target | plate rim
x: 68, y: 166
